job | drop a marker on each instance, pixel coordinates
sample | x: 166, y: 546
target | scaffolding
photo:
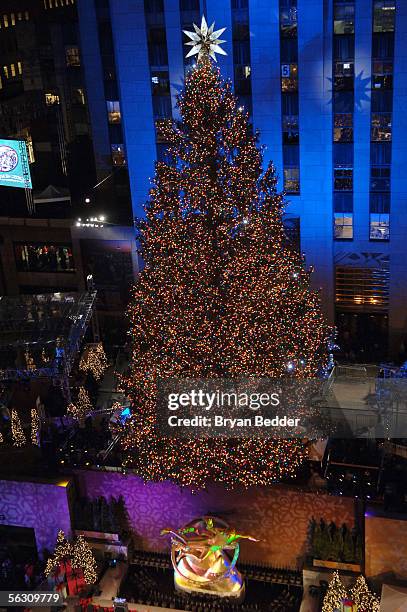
x: 40, y: 335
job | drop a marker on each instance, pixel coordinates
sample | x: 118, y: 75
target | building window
x: 343, y: 179
x: 384, y: 15
x: 379, y: 216
x: 162, y: 107
x: 343, y: 75
x: 51, y: 98
x: 343, y: 127
x: 381, y: 127
x: 292, y: 180
x: 362, y: 288
x: 288, y: 18
x: 380, y: 178
x: 113, y: 111
x: 118, y: 155
x: 344, y: 17
x: 160, y: 83
x: 382, y: 74
x: 379, y: 226
x: 290, y: 129
x: 343, y: 216
x: 289, y: 77
x: 39, y: 257
x: 343, y: 226
x: 78, y: 96
x: 72, y: 56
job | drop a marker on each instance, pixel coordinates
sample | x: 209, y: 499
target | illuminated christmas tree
x: 222, y: 294
x: 62, y: 554
x: 35, y: 426
x: 83, y: 559
x: 361, y: 595
x: 17, y: 432
x: 94, y: 360
x: 335, y: 595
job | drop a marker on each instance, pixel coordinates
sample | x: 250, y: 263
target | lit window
x: 5, y: 68
x: 292, y: 180
x: 343, y: 75
x: 344, y: 18
x: 20, y: 15
x: 160, y: 83
x: 51, y: 98
x: 343, y: 179
x: 289, y: 77
x: 72, y: 56
x: 381, y: 126
x: 78, y: 96
x: 288, y: 18
x: 5, y: 20
x: 343, y: 127
x: 379, y: 226
x: 1, y: 83
x: 20, y: 68
x: 113, y: 111
x: 384, y: 15
x: 26, y: 15
x: 382, y: 77
x: 13, y: 70
x: 13, y: 19
x: 118, y: 156
x: 343, y: 225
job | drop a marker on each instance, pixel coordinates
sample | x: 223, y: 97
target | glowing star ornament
x: 204, y: 41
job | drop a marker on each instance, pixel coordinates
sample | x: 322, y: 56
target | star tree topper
x: 204, y: 41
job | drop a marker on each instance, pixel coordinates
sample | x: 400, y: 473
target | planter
x: 336, y: 565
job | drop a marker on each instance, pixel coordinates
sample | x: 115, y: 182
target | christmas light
x: 83, y: 404
x: 364, y: 599
x: 218, y: 297
x: 335, y: 595
x: 62, y: 553
x: 1, y: 438
x: 17, y: 432
x: 94, y: 360
x: 30, y: 364
x: 83, y: 559
x: 35, y: 427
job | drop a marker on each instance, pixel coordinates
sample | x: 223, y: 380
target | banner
x: 14, y: 167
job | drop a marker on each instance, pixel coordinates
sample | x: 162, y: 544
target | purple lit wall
x: 41, y: 506
x: 277, y: 515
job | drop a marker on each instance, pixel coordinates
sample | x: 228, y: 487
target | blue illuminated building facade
x: 325, y: 81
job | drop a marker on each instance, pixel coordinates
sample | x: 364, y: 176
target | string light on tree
x: 83, y: 404
x: 94, y: 361
x: 83, y: 559
x: 17, y: 432
x: 217, y: 297
x: 364, y: 599
x: 63, y: 552
x: 1, y: 438
x: 335, y: 595
x: 35, y: 426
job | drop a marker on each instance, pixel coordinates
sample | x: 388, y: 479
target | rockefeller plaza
x: 203, y: 305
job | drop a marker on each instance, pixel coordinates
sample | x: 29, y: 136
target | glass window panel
x: 343, y: 202
x: 72, y: 56
x: 289, y: 77
x: 118, y: 155
x: 380, y: 202
x: 292, y: 180
x: 343, y: 127
x: 380, y: 153
x: 290, y: 129
x: 379, y: 226
x: 344, y: 18
x: 343, y: 101
x: 384, y: 15
x: 344, y: 48
x: 380, y: 178
x: 43, y: 257
x: 381, y: 127
x: 160, y: 83
x: 343, y: 179
x: 343, y: 226
x: 289, y: 103
x: 113, y: 111
x: 288, y: 18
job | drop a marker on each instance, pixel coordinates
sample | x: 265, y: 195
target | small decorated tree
x: 83, y: 559
x: 35, y: 427
x: 62, y: 555
x: 361, y: 595
x: 335, y: 595
x: 17, y: 432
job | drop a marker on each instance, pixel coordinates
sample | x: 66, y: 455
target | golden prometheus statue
x: 204, y: 555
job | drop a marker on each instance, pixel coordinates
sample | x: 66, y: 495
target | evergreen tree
x: 83, y: 559
x: 62, y: 553
x: 365, y: 600
x: 222, y: 294
x: 334, y: 596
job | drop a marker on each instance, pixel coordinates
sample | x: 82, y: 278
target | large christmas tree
x: 222, y: 294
